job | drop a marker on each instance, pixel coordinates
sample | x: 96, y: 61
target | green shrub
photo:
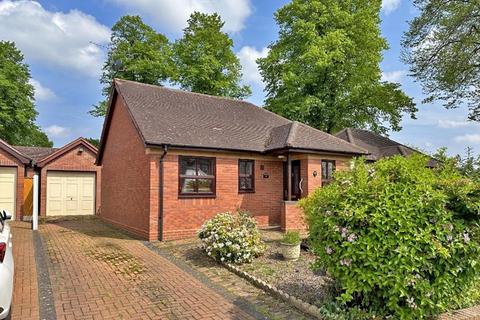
x: 231, y: 238
x: 291, y: 237
x: 387, y: 233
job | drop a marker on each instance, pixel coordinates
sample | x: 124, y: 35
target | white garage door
x: 70, y: 193
x: 7, y: 189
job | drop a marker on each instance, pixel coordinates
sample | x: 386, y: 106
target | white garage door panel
x: 70, y: 193
x: 7, y: 189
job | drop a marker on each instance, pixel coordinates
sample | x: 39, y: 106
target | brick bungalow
x: 69, y: 180
x: 173, y: 159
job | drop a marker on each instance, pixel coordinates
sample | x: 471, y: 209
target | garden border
x: 297, y: 303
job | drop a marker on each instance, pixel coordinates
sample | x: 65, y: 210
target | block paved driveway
x: 96, y: 272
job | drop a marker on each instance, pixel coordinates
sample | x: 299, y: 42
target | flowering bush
x: 231, y: 238
x: 389, y: 234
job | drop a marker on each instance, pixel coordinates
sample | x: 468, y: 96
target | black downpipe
x: 160, y: 194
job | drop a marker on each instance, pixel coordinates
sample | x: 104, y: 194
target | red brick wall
x: 292, y: 217
x: 125, y: 198
x: 73, y: 160
x: 183, y: 217
x: 6, y: 160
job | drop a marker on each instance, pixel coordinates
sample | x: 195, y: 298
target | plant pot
x: 290, y: 251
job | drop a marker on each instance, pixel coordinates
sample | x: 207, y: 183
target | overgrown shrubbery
x: 389, y: 234
x: 231, y: 238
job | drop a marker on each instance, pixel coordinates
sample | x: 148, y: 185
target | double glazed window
x: 246, y: 175
x: 197, y: 176
x: 328, y: 167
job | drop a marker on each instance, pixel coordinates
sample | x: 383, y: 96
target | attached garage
x: 8, y: 186
x: 70, y: 193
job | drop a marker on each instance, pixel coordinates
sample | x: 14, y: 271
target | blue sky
x: 64, y: 41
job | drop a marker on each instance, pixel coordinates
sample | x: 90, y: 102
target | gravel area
x: 293, y: 277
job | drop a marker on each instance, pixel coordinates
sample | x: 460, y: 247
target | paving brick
x: 98, y: 272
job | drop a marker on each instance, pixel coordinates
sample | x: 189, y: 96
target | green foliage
x: 468, y: 164
x: 136, y: 52
x: 231, y: 238
x: 34, y: 137
x: 388, y: 233
x: 442, y: 47
x: 291, y: 237
x: 17, y: 109
x: 324, y: 68
x: 94, y: 141
x: 205, y: 60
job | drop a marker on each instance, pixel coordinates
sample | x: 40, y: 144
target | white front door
x: 8, y: 179
x: 70, y: 193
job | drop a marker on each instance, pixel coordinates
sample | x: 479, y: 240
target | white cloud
x: 173, y: 15
x: 55, y: 38
x: 447, y: 124
x: 57, y: 131
x: 248, y: 57
x: 394, y: 76
x: 469, y: 138
x: 42, y: 93
x: 389, y: 6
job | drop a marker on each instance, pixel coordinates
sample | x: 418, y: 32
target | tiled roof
x: 377, y: 145
x: 173, y: 117
x: 35, y: 153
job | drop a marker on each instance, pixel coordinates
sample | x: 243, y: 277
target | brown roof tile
x: 179, y: 118
x: 35, y: 153
x: 377, y: 145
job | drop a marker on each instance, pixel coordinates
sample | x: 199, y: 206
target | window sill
x: 246, y: 191
x: 197, y: 196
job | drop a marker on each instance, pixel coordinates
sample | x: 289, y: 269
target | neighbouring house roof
x: 66, y: 148
x: 377, y: 145
x: 43, y: 155
x: 35, y: 153
x: 177, y: 118
x: 14, y: 152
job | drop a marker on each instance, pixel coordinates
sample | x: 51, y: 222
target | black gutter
x: 267, y: 152
x: 160, y: 194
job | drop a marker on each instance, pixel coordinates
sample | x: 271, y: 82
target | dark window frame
x: 252, y: 176
x: 212, y: 177
x: 327, y: 180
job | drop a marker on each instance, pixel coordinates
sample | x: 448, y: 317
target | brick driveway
x: 96, y: 272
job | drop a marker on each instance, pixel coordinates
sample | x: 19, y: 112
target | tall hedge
x: 388, y: 233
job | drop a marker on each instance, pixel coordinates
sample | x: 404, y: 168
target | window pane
x: 205, y: 167
x: 329, y: 170
x: 324, y: 170
x: 246, y: 184
x: 241, y: 168
x: 249, y: 167
x: 205, y: 185
x: 188, y: 185
x: 188, y: 167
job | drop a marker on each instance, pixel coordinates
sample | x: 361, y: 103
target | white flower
x: 328, y: 250
x: 466, y: 237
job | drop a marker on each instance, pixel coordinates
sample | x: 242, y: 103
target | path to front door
x: 96, y: 272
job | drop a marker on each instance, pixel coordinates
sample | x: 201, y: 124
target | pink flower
x: 328, y: 250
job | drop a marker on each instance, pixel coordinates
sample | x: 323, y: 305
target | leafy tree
x: 205, y: 60
x: 468, y: 165
x: 35, y: 138
x: 136, y: 52
x: 442, y: 47
x: 324, y: 68
x: 17, y: 109
x: 94, y: 141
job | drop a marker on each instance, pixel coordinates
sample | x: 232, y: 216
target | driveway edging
x: 46, y: 302
x: 238, y: 301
